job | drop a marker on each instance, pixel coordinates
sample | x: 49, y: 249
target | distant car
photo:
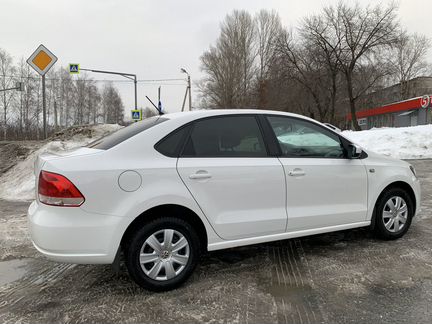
x: 168, y: 188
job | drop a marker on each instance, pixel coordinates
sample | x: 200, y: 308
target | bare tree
x: 408, y: 59
x: 94, y: 101
x: 6, y: 81
x: 301, y: 62
x: 112, y: 105
x: 230, y: 65
x: 315, y: 33
x: 69, y: 101
x: 268, y: 29
x: 364, y: 34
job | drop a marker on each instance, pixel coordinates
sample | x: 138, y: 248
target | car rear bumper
x: 72, y: 235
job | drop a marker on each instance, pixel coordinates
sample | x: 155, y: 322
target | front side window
x: 230, y: 136
x: 298, y: 138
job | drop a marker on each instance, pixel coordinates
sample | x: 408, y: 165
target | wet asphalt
x: 343, y: 277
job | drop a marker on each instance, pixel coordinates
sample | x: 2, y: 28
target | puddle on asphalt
x: 12, y: 270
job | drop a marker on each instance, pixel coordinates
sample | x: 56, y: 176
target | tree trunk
x: 55, y: 116
x: 333, y: 98
x: 352, y: 102
x: 4, y: 116
x: 21, y: 116
x: 262, y: 94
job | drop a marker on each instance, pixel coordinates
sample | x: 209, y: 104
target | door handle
x: 296, y: 172
x: 198, y: 175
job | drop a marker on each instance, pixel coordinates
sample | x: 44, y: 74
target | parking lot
x: 343, y: 277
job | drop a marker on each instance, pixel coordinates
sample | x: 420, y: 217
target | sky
x: 152, y: 39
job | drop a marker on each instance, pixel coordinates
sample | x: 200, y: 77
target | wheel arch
x: 172, y: 210
x: 396, y: 184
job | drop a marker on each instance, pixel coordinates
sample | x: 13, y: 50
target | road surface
x: 344, y: 277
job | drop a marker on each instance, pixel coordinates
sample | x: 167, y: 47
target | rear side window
x: 123, y: 134
x: 172, y: 143
x: 228, y: 136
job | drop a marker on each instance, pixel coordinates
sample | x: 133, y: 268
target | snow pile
x: 403, y: 142
x: 18, y: 182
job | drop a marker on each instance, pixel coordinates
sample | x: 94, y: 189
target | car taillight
x: 55, y: 189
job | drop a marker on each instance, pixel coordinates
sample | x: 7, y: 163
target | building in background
x: 411, y: 112
x: 390, y: 108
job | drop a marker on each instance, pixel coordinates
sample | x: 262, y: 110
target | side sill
x: 283, y: 236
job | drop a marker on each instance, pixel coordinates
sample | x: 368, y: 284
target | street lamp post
x: 188, y: 89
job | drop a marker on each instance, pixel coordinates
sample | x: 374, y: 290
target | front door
x: 323, y: 187
x: 239, y: 188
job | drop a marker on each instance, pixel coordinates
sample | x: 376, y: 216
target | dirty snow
x: 19, y: 181
x: 402, y: 143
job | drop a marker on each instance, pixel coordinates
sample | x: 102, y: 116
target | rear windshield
x: 123, y: 134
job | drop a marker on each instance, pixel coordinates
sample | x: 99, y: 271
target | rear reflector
x: 56, y: 190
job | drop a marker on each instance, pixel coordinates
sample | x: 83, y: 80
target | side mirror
x: 354, y: 151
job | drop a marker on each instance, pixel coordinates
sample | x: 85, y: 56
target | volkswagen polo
x: 166, y: 189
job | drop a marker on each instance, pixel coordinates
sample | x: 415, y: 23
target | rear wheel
x: 394, y: 211
x: 162, y: 254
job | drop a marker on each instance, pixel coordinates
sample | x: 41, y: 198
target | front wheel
x: 162, y: 254
x: 394, y: 211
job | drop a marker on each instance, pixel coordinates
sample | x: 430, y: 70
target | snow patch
x: 413, y: 142
x: 18, y: 183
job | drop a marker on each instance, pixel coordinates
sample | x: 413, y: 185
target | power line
x: 96, y: 80
x: 157, y: 80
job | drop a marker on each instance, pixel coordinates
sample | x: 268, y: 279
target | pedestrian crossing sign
x: 74, y: 68
x: 136, y: 114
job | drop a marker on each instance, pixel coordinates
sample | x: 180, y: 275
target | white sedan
x: 166, y: 189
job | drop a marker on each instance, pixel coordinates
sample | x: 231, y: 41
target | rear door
x: 323, y: 187
x: 238, y: 186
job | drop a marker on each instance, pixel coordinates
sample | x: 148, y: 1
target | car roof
x: 194, y: 114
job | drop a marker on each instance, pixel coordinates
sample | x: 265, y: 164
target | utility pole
x: 188, y: 90
x: 159, y: 99
x: 135, y: 87
x: 190, y: 93
x: 159, y: 111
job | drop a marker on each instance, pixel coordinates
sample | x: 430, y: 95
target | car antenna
x: 158, y: 110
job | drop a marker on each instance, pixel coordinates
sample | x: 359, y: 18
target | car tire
x: 393, y: 214
x: 153, y: 258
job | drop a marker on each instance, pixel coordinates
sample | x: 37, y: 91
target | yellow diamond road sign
x: 42, y: 60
